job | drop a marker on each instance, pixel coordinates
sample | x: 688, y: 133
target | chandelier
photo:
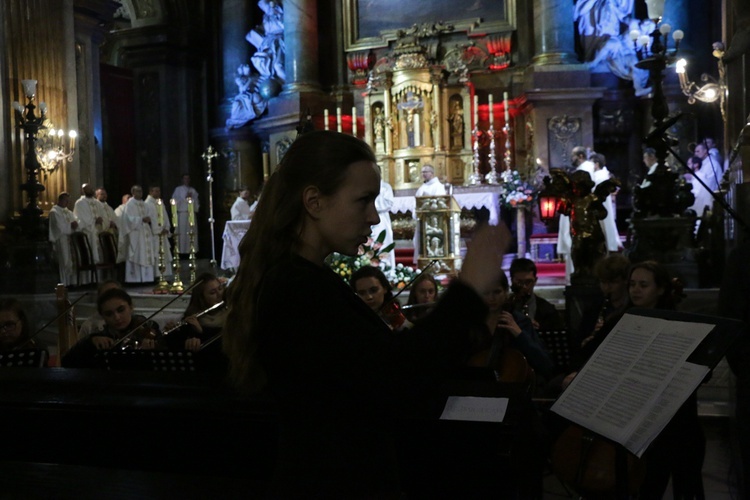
x: 55, y: 147
x: 712, y: 89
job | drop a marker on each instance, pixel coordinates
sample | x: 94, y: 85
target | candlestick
x: 505, y: 106
x: 338, y: 120
x: 174, y: 214
x: 325, y: 119
x: 492, y: 114
x: 354, y: 122
x: 191, y: 212
x: 476, y: 110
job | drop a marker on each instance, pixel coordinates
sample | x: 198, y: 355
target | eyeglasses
x: 9, y: 325
x: 528, y: 282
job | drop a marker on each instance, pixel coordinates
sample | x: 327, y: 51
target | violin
x: 392, y: 315
x: 588, y: 463
x: 144, y: 335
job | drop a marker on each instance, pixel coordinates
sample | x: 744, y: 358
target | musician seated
x: 199, y: 324
x: 544, y: 316
x: 423, y: 293
x: 96, y: 322
x: 15, y: 331
x: 506, y: 328
x: 371, y: 285
x: 121, y: 328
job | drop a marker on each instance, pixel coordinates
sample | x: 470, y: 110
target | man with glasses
x: 544, y: 316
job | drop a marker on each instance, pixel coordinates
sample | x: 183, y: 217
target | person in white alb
x: 431, y: 187
x: 609, y: 223
x: 90, y: 215
x: 383, y: 204
x: 161, y: 229
x: 180, y: 196
x: 241, y: 209
x: 109, y: 222
x: 564, y: 239
x: 63, y: 223
x: 119, y: 211
x: 137, y: 233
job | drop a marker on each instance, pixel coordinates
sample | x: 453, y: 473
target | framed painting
x: 373, y: 23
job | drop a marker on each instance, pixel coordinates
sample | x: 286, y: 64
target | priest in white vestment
x: 63, y: 223
x: 180, y: 196
x: 431, y: 187
x: 161, y: 228
x: 137, y: 233
x: 119, y: 211
x: 383, y: 204
x: 564, y: 238
x: 240, y: 208
x: 609, y: 223
x: 109, y: 222
x: 90, y: 215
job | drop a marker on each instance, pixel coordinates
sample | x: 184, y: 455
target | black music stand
x: 159, y: 361
x: 29, y: 358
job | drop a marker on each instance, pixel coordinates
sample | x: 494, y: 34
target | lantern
x: 547, y: 205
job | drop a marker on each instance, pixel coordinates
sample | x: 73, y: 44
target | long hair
x: 662, y: 279
x: 317, y: 159
x: 372, y: 272
x: 14, y: 306
x: 413, y: 290
x: 197, y: 300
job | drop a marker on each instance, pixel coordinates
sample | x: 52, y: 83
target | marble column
x: 553, y: 32
x: 301, y: 41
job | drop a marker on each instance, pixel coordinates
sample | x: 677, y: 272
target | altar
x: 468, y: 197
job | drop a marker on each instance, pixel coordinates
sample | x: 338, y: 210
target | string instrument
x: 390, y: 311
x: 590, y: 464
x: 508, y: 363
x: 141, y: 329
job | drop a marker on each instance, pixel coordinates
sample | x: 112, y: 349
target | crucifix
x: 411, y: 106
x: 208, y: 156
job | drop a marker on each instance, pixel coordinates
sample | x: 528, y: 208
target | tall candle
x: 174, y: 214
x: 267, y: 166
x: 505, y: 105
x: 492, y: 114
x: 338, y: 120
x: 354, y: 122
x: 159, y: 213
x: 476, y: 111
x: 325, y: 119
x: 191, y: 212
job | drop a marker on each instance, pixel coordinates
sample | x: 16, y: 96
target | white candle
x: 325, y: 119
x: 505, y: 105
x: 354, y: 122
x: 267, y: 165
x: 159, y: 213
x: 417, y: 131
x: 492, y: 114
x: 338, y: 120
x: 476, y: 111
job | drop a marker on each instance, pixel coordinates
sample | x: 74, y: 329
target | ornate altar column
x: 553, y: 32
x: 236, y: 17
x: 301, y: 41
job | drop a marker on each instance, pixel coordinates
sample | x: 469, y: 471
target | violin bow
x: 131, y: 332
x: 414, y: 279
x: 66, y: 311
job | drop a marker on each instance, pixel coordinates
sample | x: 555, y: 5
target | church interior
x: 139, y: 136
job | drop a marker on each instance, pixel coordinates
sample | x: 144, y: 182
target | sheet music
x: 636, y: 380
x: 475, y: 409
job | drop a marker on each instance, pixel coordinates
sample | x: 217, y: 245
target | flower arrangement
x: 371, y: 253
x: 401, y: 276
x: 515, y: 192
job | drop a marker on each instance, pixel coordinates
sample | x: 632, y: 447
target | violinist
x: 423, y: 292
x: 679, y: 449
x: 196, y: 329
x: 544, y: 316
x: 15, y: 330
x: 371, y: 285
x: 506, y: 328
x: 116, y: 307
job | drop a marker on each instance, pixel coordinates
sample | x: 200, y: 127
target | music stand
x: 29, y: 358
x: 160, y: 361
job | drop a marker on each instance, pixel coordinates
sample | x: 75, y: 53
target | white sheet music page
x: 636, y: 380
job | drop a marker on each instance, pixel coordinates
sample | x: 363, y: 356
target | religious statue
x: 254, y: 91
x: 378, y: 124
x: 456, y: 121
